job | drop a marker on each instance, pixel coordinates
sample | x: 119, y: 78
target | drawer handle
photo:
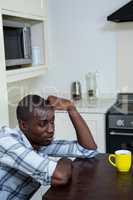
x: 121, y: 134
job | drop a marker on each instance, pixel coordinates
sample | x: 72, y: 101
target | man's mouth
x: 49, y: 138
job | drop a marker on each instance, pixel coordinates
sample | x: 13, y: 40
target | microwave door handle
x: 25, y: 42
x: 121, y: 134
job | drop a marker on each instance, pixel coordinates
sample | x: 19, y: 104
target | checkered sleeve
x: 16, y: 155
x: 64, y: 148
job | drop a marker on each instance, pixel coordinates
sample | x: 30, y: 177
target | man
x: 25, y: 152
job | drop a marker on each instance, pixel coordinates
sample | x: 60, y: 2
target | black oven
x: 119, y: 124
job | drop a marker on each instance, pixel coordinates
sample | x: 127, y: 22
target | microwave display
x: 13, y: 39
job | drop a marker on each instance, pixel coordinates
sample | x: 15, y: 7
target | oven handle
x: 122, y: 134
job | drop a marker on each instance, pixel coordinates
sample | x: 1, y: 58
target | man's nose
x: 50, y: 128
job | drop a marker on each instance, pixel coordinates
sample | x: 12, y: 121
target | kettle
x: 76, y: 90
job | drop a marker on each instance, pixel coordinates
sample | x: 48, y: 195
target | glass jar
x: 91, y: 85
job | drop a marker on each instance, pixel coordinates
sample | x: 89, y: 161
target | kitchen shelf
x: 25, y: 73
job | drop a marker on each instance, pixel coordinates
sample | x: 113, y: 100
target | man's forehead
x: 43, y: 114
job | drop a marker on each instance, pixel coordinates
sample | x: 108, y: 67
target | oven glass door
x: 119, y: 140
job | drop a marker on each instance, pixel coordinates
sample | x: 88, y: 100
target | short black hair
x: 27, y: 105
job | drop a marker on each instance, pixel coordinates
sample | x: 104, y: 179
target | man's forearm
x: 84, y: 135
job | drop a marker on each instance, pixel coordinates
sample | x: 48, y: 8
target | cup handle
x: 110, y: 159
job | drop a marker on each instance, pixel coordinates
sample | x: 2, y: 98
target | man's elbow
x: 62, y: 173
x: 94, y: 147
x: 90, y: 147
x: 60, y: 180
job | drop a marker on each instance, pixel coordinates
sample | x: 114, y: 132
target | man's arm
x: 43, y: 169
x: 84, y: 135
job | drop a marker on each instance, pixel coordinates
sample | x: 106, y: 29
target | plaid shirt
x: 23, y: 170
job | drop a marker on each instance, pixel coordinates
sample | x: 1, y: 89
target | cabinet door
x: 37, y: 195
x: 96, y: 122
x: 63, y: 127
x: 40, y: 192
x: 34, y: 7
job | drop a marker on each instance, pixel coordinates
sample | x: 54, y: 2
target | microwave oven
x: 17, y: 43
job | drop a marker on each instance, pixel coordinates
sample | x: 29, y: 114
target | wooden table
x: 94, y: 179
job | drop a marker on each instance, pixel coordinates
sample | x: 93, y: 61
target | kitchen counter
x: 101, y: 105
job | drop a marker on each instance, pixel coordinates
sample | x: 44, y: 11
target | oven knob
x: 120, y: 122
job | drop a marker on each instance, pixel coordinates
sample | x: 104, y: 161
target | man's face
x: 41, y: 127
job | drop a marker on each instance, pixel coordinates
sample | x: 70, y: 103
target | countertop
x: 100, y: 105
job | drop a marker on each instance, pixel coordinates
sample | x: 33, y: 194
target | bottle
x: 76, y: 90
x: 91, y: 84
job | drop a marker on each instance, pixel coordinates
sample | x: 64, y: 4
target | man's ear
x: 23, y: 125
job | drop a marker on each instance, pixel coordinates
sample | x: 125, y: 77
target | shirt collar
x: 24, y: 138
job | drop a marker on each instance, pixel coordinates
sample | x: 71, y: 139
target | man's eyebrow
x: 46, y: 120
x: 42, y: 120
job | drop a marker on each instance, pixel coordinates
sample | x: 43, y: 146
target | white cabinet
x: 37, y: 195
x: 42, y: 190
x: 38, y: 26
x: 96, y: 122
x: 34, y: 7
x: 63, y: 127
x: 3, y: 88
x: 35, y: 12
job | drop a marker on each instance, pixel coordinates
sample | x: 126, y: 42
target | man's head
x: 36, y: 119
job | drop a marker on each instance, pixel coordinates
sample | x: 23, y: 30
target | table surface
x: 94, y: 179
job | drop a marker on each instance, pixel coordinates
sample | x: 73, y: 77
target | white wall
x: 125, y: 57
x: 81, y: 40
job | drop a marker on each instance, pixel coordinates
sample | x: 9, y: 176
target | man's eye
x: 42, y: 124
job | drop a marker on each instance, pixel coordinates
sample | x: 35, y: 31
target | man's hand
x: 62, y: 173
x: 60, y: 103
x: 84, y: 136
